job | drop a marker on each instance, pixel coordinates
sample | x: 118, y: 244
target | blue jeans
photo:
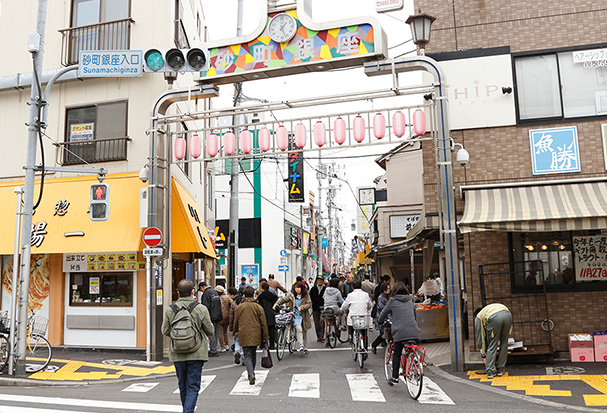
x: 189, y: 374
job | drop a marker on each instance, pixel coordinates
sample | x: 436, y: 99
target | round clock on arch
x: 282, y: 28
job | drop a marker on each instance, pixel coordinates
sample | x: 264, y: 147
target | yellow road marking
x: 69, y: 371
x: 528, y: 385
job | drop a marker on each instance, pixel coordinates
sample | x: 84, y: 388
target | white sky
x: 220, y: 18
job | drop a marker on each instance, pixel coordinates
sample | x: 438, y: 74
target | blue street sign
x: 325, y: 242
x: 283, y: 268
x: 283, y: 253
x: 110, y: 63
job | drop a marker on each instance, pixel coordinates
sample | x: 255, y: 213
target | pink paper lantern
x: 179, y: 148
x: 398, y: 124
x: 339, y: 130
x: 229, y: 143
x: 264, y: 139
x: 212, y: 145
x: 195, y: 146
x: 419, y: 122
x: 320, y: 133
x: 246, y: 141
x: 301, y: 136
x: 379, y: 126
x: 282, y: 138
x: 359, y: 129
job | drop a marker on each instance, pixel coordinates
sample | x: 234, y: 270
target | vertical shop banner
x: 296, y: 174
x: 306, y: 242
x: 604, y: 133
x: 251, y: 272
x: 590, y: 255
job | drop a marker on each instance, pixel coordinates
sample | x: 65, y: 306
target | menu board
x: 590, y: 256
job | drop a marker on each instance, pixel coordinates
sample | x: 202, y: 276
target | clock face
x: 282, y: 28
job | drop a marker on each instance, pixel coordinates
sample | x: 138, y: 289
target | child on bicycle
x: 404, y: 326
x: 299, y: 300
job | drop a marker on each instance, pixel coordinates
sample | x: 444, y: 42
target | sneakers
x: 237, y: 358
x: 392, y: 381
x: 490, y: 374
x: 374, y: 350
x: 223, y: 350
x: 251, y: 379
x: 213, y: 354
x: 500, y: 372
x: 306, y: 351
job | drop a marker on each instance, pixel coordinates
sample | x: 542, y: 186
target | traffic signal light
x: 100, y: 202
x: 176, y: 60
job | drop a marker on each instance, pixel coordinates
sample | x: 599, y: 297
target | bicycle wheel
x: 281, y: 343
x: 361, y: 351
x: 388, y: 361
x: 354, y: 345
x: 37, y: 354
x: 414, y: 375
x: 4, y: 351
x: 340, y: 334
x: 291, y: 339
x: 331, y: 334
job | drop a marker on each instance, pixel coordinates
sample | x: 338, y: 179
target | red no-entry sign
x: 152, y: 237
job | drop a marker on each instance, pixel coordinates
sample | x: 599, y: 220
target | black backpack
x: 185, y: 335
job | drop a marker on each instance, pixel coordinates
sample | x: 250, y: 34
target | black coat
x: 316, y: 297
x: 266, y: 300
x: 210, y: 299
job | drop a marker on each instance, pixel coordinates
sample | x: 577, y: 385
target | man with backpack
x: 211, y: 300
x: 188, y: 325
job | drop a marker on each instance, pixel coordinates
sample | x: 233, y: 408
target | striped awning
x: 536, y: 208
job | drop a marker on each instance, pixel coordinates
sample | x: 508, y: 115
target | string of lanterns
x: 281, y: 135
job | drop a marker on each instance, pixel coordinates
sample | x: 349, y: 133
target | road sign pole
x: 148, y: 305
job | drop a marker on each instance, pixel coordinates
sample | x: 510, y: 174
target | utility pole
x: 329, y: 208
x: 320, y: 232
x: 234, y: 177
x: 36, y: 48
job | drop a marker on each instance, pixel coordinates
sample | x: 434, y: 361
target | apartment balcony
x: 112, y: 35
x: 98, y: 150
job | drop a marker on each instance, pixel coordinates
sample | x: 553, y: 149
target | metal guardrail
x: 112, y: 35
x: 98, y: 150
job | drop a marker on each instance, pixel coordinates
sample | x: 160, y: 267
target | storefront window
x: 105, y: 289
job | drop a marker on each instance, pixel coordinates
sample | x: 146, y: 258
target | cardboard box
x: 600, y: 348
x: 581, y: 347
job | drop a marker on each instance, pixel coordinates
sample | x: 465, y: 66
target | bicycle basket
x: 328, y: 312
x: 38, y: 325
x: 360, y: 322
x: 283, y: 319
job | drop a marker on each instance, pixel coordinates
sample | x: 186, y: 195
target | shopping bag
x: 266, y: 358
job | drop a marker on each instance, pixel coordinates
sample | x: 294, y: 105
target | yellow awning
x: 188, y: 232
x: 70, y: 229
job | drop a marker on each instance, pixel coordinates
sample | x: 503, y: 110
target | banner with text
x: 590, y: 254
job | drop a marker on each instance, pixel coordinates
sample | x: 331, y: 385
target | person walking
x: 266, y: 300
x: 401, y: 309
x: 251, y: 328
x: 236, y: 299
x: 381, y: 304
x: 316, y: 294
x: 368, y: 286
x: 493, y: 325
x: 357, y: 303
x: 210, y: 299
x: 299, y: 300
x: 275, y: 284
x: 188, y: 366
x: 384, y: 279
x: 226, y: 302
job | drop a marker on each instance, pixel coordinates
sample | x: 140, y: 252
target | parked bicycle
x: 360, y: 326
x: 38, y: 351
x: 411, y: 366
x: 285, y: 332
x: 333, y: 332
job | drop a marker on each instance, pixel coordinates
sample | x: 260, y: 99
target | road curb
x: 561, y: 406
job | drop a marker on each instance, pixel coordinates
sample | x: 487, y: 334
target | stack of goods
x: 581, y: 347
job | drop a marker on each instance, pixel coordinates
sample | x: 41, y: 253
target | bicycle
x: 332, y: 331
x: 411, y: 366
x: 285, y: 332
x: 38, y: 351
x: 360, y: 325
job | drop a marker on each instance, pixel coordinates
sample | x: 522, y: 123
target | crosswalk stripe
x: 17, y: 409
x: 364, y: 388
x: 204, y: 383
x: 243, y: 388
x: 140, y: 387
x: 305, y: 385
x: 100, y: 404
x: 433, y: 394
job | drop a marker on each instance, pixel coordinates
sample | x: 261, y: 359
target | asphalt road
x: 324, y: 381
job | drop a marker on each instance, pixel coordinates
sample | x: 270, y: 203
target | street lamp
x: 420, y: 29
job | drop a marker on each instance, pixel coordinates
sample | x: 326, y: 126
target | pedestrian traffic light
x: 176, y: 60
x: 100, y: 202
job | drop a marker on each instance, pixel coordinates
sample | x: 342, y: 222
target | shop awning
x: 188, y: 232
x: 64, y: 223
x: 538, y: 207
